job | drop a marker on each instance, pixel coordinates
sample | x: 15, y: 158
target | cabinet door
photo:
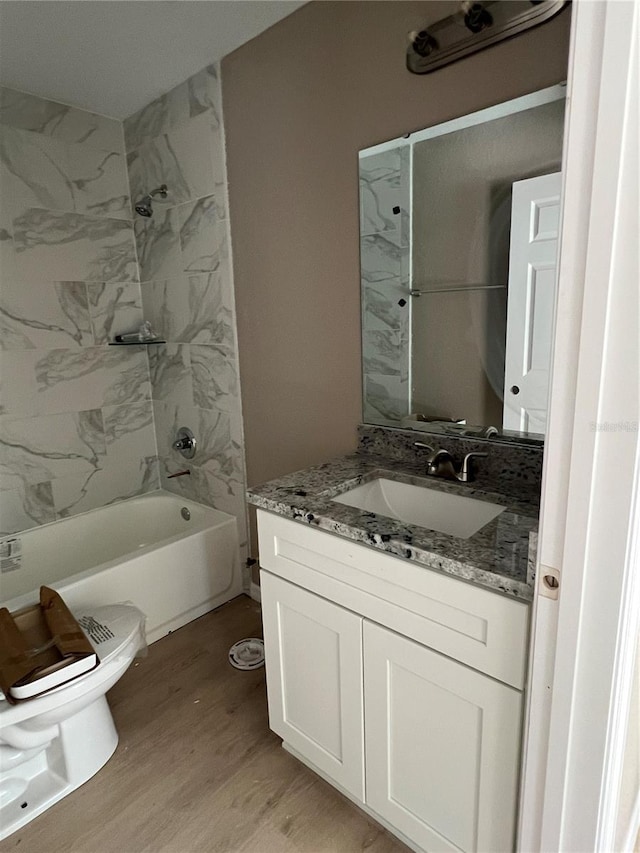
x: 442, y: 747
x: 313, y: 652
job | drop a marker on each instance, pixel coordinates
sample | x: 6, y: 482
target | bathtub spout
x: 178, y: 474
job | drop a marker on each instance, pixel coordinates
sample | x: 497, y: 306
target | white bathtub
x: 141, y: 550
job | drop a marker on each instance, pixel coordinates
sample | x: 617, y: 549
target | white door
x: 535, y: 219
x: 313, y: 652
x: 442, y: 747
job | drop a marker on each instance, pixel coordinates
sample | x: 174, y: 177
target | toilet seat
x: 111, y: 630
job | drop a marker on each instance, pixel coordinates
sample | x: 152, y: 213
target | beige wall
x: 299, y: 101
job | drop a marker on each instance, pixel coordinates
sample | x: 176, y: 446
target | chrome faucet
x: 185, y: 443
x: 440, y: 463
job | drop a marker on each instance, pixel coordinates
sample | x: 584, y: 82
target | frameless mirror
x: 458, y: 243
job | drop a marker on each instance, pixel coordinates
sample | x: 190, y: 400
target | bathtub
x: 141, y: 550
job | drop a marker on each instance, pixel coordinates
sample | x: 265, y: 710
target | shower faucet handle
x: 185, y: 443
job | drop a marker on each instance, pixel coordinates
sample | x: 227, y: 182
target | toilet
x: 53, y: 743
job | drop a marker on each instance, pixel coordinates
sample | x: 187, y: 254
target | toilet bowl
x: 53, y: 743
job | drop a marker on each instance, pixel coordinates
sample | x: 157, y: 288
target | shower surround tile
x: 180, y: 158
x: 77, y: 425
x: 115, y: 308
x: 42, y: 382
x: 100, y: 184
x: 214, y: 376
x: 158, y: 245
x: 170, y: 371
x: 187, y: 291
x: 44, y: 316
x: 130, y: 469
x: 220, y: 491
x: 73, y: 247
x: 23, y: 508
x: 129, y: 431
x: 36, y: 450
x: 202, y: 236
x: 7, y: 246
x: 217, y: 470
x: 70, y: 124
x: 158, y: 117
x: 195, y: 308
x: 114, y: 483
x: 40, y: 171
x: 197, y: 95
x: 34, y: 172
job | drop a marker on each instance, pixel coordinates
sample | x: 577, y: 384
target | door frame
x: 584, y: 639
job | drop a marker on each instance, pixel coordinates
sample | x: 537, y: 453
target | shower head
x: 143, y: 207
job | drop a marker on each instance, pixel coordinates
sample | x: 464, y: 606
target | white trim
x: 578, y: 153
x: 506, y: 108
x: 594, y: 617
x: 629, y: 843
x: 254, y: 591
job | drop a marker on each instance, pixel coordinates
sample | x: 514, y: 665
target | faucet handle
x: 465, y: 475
x: 423, y: 445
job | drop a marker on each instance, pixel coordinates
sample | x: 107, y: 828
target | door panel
x: 535, y: 217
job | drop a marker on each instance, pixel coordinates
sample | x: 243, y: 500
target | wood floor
x: 197, y: 768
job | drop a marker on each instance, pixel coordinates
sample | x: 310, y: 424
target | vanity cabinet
x: 371, y: 691
x: 442, y: 746
x: 314, y: 678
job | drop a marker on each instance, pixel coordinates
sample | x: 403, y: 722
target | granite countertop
x: 499, y: 557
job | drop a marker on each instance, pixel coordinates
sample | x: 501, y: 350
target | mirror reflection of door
x: 535, y: 218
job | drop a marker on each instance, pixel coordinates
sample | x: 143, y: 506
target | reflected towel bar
x: 458, y: 288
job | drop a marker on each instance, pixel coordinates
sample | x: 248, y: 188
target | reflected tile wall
x: 76, y: 424
x: 187, y: 291
x: 385, y: 242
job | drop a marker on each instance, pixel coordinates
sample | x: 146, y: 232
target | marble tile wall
x: 76, y: 418
x: 187, y: 291
x: 385, y: 236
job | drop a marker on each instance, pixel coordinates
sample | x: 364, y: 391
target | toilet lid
x: 110, y: 628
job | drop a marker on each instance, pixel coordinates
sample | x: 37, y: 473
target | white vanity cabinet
x: 371, y: 691
x: 314, y: 678
x: 442, y: 746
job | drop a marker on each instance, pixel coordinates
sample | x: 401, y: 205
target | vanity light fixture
x: 475, y: 27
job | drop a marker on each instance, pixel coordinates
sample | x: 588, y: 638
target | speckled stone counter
x: 497, y: 557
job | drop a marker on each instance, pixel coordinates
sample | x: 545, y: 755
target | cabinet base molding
x: 410, y: 844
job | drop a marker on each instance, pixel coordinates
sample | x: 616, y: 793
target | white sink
x: 441, y: 511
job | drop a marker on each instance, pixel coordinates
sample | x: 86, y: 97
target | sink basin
x: 435, y: 510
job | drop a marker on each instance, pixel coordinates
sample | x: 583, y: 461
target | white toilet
x: 51, y: 744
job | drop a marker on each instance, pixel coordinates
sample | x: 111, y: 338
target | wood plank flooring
x: 197, y: 768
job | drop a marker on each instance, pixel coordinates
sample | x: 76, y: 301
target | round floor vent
x: 247, y: 654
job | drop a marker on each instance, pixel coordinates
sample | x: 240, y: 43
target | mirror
x: 458, y: 243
